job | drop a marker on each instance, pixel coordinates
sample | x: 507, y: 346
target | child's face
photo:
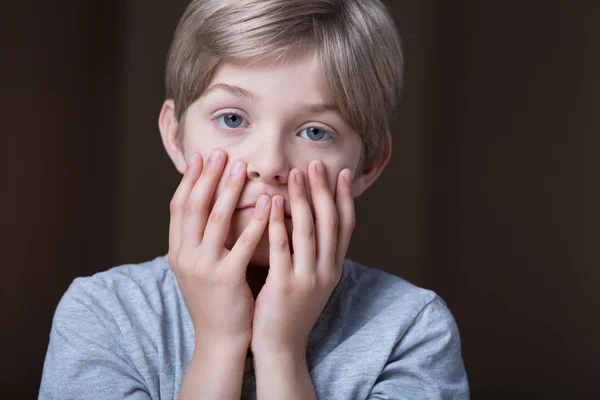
x: 273, y: 115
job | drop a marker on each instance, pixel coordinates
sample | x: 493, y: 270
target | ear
x: 369, y: 173
x: 169, y: 126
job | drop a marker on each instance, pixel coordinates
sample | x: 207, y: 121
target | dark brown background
x: 491, y: 199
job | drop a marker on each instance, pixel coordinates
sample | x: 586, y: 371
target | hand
x: 299, y: 286
x: 213, y: 279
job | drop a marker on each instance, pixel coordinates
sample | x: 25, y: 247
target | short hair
x: 356, y: 43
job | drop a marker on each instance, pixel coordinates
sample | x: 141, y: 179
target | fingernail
x: 278, y: 203
x: 237, y: 168
x: 320, y: 168
x: 348, y: 176
x: 262, y: 201
x: 192, y: 159
x: 216, y: 156
x: 299, y: 177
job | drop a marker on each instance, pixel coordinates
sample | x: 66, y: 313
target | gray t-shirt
x: 126, y: 334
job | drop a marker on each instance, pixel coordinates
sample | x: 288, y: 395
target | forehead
x: 295, y: 75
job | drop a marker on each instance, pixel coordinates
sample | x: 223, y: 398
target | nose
x: 269, y: 163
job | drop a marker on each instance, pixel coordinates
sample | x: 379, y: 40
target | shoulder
x: 396, y: 335
x: 379, y: 290
x: 108, y: 333
x: 120, y: 293
x: 126, y: 275
x: 125, y: 280
x: 394, y: 305
x: 414, y: 336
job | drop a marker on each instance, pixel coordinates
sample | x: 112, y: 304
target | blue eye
x: 315, y: 134
x: 231, y: 120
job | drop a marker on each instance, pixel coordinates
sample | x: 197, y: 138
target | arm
x: 426, y: 363
x: 215, y: 372
x: 283, y: 376
x: 86, y: 358
x: 212, y: 279
x: 299, y: 285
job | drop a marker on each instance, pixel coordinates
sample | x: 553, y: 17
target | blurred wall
x: 490, y: 198
x: 60, y: 85
x: 515, y: 201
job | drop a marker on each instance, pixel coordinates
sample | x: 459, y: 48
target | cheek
x: 220, y: 186
x: 226, y: 170
x: 332, y: 179
x: 223, y: 179
x: 333, y: 172
x: 200, y: 136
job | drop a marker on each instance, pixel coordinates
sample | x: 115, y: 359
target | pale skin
x: 261, y: 221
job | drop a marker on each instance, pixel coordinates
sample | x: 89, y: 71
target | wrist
x: 294, y: 347
x: 215, y: 370
x: 283, y: 374
x: 233, y: 349
x: 278, y: 357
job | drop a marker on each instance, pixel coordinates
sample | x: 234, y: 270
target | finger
x: 345, y: 206
x: 303, y: 232
x: 177, y: 205
x: 219, y: 220
x: 326, y: 216
x: 280, y: 259
x: 243, y: 249
x: 197, y: 206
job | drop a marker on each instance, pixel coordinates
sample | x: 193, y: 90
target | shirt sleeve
x: 86, y: 357
x: 426, y: 363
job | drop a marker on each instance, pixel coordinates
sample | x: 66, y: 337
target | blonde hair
x: 356, y: 45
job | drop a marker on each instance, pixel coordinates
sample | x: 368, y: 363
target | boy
x: 277, y: 114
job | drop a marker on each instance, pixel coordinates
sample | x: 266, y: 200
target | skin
x: 247, y: 273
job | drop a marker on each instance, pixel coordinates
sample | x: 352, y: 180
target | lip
x: 246, y: 208
x: 251, y: 206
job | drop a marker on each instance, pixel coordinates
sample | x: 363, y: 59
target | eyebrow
x: 231, y: 89
x: 316, y: 108
x: 320, y: 108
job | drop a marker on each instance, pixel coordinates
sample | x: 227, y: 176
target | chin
x: 260, y: 258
